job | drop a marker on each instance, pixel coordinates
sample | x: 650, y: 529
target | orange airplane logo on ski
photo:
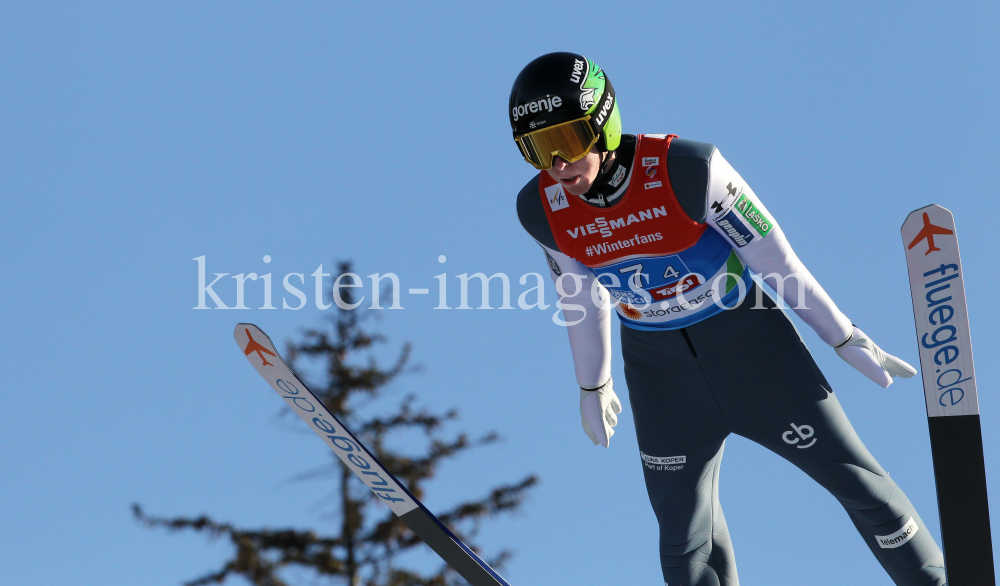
x: 255, y: 346
x: 927, y: 233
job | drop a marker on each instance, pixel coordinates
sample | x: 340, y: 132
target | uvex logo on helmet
x: 576, y: 76
x: 536, y: 106
x: 609, y: 101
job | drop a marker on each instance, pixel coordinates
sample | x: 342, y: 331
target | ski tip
x: 919, y: 212
x: 246, y: 331
x: 239, y: 329
x: 254, y: 342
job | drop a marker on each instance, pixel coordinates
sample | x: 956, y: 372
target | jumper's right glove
x: 861, y: 353
x: 598, y: 409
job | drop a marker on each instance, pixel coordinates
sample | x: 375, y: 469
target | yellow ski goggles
x: 570, y: 140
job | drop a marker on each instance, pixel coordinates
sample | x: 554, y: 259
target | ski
x: 263, y: 356
x: 945, y: 347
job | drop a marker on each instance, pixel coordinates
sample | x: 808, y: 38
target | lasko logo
x: 758, y: 220
x: 735, y: 229
x: 898, y: 538
x: 587, y: 98
x: 557, y: 197
x: 650, y: 161
x: 804, y: 432
x: 653, y: 184
x: 577, y: 73
x: 546, y: 103
x: 668, y: 463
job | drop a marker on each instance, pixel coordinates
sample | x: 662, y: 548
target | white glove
x: 871, y: 361
x: 598, y: 408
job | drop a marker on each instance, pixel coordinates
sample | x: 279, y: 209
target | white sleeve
x: 736, y: 213
x: 588, y: 321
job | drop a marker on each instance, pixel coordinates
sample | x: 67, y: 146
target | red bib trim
x: 647, y: 221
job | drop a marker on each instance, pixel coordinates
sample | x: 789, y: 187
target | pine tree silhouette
x: 369, y: 536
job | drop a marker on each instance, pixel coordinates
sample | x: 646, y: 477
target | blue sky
x: 136, y: 138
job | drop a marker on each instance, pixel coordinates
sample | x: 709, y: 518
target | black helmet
x: 559, y: 88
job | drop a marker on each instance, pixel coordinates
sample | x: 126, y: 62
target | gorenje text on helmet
x: 546, y: 103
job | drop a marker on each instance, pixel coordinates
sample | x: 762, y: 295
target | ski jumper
x: 673, y: 250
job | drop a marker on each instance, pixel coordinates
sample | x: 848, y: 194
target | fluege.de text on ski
x: 942, y: 336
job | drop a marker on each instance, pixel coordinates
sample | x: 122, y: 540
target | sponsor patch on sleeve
x: 653, y: 184
x: 761, y: 223
x: 650, y: 161
x: 735, y: 229
x: 722, y: 204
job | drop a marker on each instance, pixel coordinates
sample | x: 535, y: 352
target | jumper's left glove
x: 598, y: 410
x: 861, y: 353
